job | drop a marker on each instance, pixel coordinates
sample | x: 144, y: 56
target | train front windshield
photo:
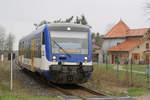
x: 69, y: 42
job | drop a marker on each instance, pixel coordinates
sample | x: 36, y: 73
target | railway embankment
x: 27, y: 87
x: 24, y: 87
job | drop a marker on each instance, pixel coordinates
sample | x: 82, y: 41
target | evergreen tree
x: 77, y: 21
x: 68, y: 20
x: 9, y: 42
x: 2, y: 38
x: 93, y: 35
x: 83, y: 20
x: 97, y: 39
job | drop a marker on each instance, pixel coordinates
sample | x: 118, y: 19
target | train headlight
x: 85, y: 58
x: 68, y: 28
x: 54, y: 57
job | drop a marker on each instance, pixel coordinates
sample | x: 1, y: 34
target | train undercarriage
x: 70, y: 74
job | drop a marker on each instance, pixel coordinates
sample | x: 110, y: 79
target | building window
x: 147, y: 45
x: 136, y: 57
x: 118, y: 43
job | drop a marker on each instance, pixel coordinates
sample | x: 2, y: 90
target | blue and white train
x: 61, y: 52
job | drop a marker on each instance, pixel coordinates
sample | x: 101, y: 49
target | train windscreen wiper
x: 62, y: 48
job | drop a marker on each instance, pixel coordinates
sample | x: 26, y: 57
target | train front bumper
x: 70, y: 74
x: 65, y: 68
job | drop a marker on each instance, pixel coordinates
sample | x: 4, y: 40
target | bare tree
x: 2, y: 38
x: 9, y: 42
x: 147, y: 10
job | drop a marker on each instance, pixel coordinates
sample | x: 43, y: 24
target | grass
x: 138, y: 91
x: 18, y: 93
x: 117, y: 83
x: 9, y: 97
x: 141, y: 68
x: 110, y: 66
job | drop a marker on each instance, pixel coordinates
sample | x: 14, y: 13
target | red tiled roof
x: 137, y: 32
x: 126, y: 45
x: 119, y: 30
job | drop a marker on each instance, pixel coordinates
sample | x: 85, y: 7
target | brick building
x: 124, y: 43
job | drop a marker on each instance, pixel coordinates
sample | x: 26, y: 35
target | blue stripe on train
x: 90, y: 46
x: 47, y: 43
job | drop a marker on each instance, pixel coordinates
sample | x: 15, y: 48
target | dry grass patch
x: 0, y: 92
x: 5, y: 81
x: 113, y: 82
x: 18, y: 92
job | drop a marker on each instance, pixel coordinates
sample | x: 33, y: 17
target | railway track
x: 66, y: 90
x: 94, y: 92
x: 78, y: 91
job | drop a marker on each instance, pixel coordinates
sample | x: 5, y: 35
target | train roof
x: 53, y: 25
x: 68, y: 24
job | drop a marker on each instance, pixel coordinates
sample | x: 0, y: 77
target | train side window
x: 43, y: 39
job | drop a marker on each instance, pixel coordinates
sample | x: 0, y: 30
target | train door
x: 43, y: 50
x: 22, y: 53
x: 32, y: 56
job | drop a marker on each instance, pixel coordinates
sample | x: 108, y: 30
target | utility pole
x: 11, y: 56
x: 11, y: 72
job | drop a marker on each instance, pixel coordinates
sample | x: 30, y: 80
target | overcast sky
x: 18, y: 16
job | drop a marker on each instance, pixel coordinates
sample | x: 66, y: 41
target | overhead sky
x: 18, y: 16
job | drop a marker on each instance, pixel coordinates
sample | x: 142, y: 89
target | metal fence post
x: 97, y: 65
x: 126, y: 63
x: 117, y: 61
x: 106, y: 64
x: 127, y: 74
x: 131, y: 70
x: 148, y: 75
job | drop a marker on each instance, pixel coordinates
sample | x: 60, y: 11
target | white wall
x: 108, y: 43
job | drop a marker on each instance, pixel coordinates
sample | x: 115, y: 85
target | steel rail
x: 44, y: 80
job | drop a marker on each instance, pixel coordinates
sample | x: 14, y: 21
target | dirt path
x: 146, y: 97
